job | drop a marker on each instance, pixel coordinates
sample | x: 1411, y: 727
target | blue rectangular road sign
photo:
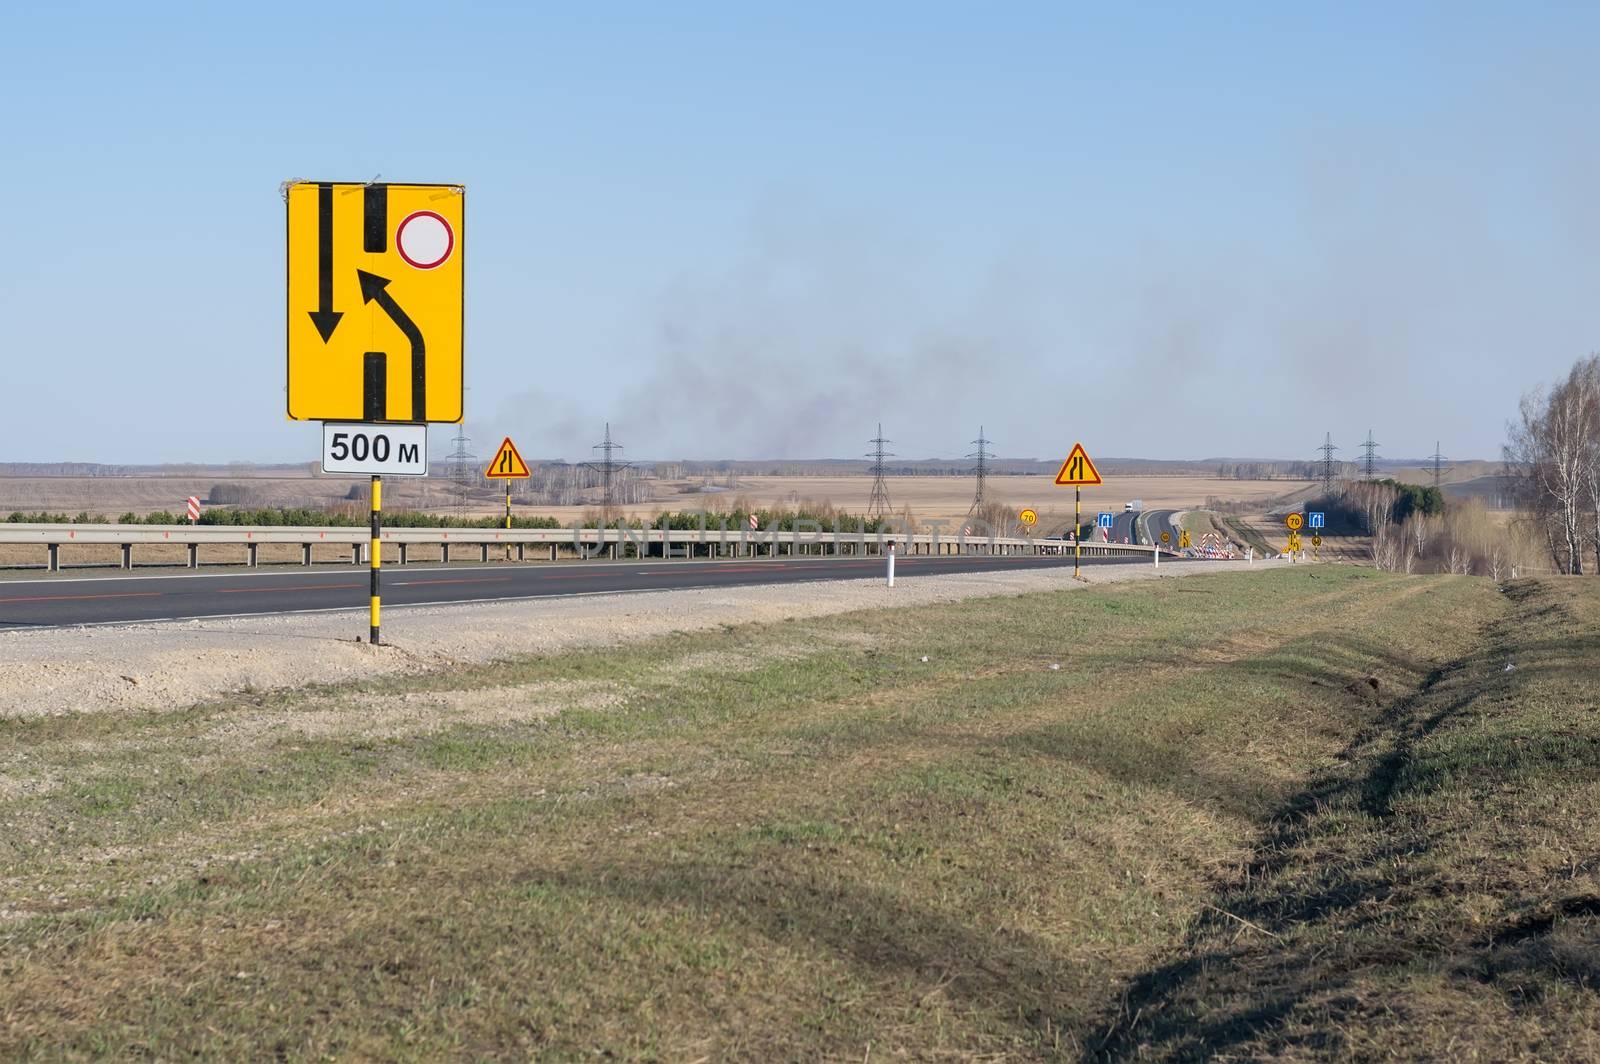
x: 1314, y: 519
x: 1104, y: 520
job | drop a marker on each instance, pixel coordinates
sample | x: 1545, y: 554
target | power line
x: 1327, y: 450
x: 878, y: 501
x: 608, y: 467
x: 463, y: 465
x: 982, y: 454
x: 1369, y: 464
x: 1438, y: 463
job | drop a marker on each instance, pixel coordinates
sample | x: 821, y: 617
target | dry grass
x: 928, y: 498
x: 947, y: 499
x: 803, y: 841
x: 1435, y: 893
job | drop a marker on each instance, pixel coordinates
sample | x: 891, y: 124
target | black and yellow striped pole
x: 377, y: 549
x: 508, y: 517
x: 1077, y: 533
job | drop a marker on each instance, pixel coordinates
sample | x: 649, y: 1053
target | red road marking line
x: 723, y: 567
x: 568, y: 576
x: 463, y: 580
x: 83, y: 598
x: 297, y: 587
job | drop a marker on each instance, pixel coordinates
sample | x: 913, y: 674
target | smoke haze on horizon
x: 739, y: 234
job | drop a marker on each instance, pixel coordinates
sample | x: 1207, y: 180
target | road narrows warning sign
x: 1078, y: 470
x: 507, y: 463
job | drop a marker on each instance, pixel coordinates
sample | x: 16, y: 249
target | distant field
x: 949, y: 498
x: 944, y: 499
x: 1304, y: 813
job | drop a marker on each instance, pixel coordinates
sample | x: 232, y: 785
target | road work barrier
x: 546, y: 544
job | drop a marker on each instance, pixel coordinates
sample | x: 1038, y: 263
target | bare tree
x: 1419, y: 529
x: 1388, y: 546
x: 1585, y: 381
x: 1546, y: 453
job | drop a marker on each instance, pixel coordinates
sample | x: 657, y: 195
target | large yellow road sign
x: 375, y: 307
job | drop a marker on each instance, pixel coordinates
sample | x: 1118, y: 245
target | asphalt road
x: 59, y: 601
x: 1155, y: 522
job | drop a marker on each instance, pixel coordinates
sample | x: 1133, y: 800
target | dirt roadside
x: 171, y: 664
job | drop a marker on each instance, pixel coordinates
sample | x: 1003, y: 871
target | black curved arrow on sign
x: 325, y: 318
x: 375, y: 289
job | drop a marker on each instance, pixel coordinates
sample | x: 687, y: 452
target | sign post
x: 1294, y: 523
x: 377, y: 550
x: 507, y: 465
x: 357, y: 447
x: 389, y: 258
x: 1076, y: 472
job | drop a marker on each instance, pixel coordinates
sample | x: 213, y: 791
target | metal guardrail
x: 580, y: 542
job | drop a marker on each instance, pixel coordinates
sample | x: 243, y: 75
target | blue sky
x: 756, y: 231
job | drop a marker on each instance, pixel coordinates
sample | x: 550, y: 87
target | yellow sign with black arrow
x: 375, y: 301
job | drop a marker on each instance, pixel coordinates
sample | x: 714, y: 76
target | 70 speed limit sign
x: 380, y: 450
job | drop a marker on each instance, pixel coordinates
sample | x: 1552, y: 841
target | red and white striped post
x: 194, y: 510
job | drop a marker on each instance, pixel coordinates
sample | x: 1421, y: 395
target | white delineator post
x: 891, y: 564
x: 1158, y: 554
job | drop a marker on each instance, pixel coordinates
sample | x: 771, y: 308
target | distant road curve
x: 1156, y: 522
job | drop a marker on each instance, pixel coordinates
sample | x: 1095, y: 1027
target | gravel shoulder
x: 172, y: 664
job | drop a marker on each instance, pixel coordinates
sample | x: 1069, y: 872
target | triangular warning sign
x: 1078, y: 470
x: 507, y: 464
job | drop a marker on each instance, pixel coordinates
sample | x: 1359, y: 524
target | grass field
x: 1298, y: 813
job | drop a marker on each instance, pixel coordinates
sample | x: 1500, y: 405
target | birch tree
x: 1585, y: 382
x: 1546, y: 452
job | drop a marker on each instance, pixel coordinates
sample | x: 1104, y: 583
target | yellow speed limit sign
x: 1294, y: 521
x: 1028, y: 517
